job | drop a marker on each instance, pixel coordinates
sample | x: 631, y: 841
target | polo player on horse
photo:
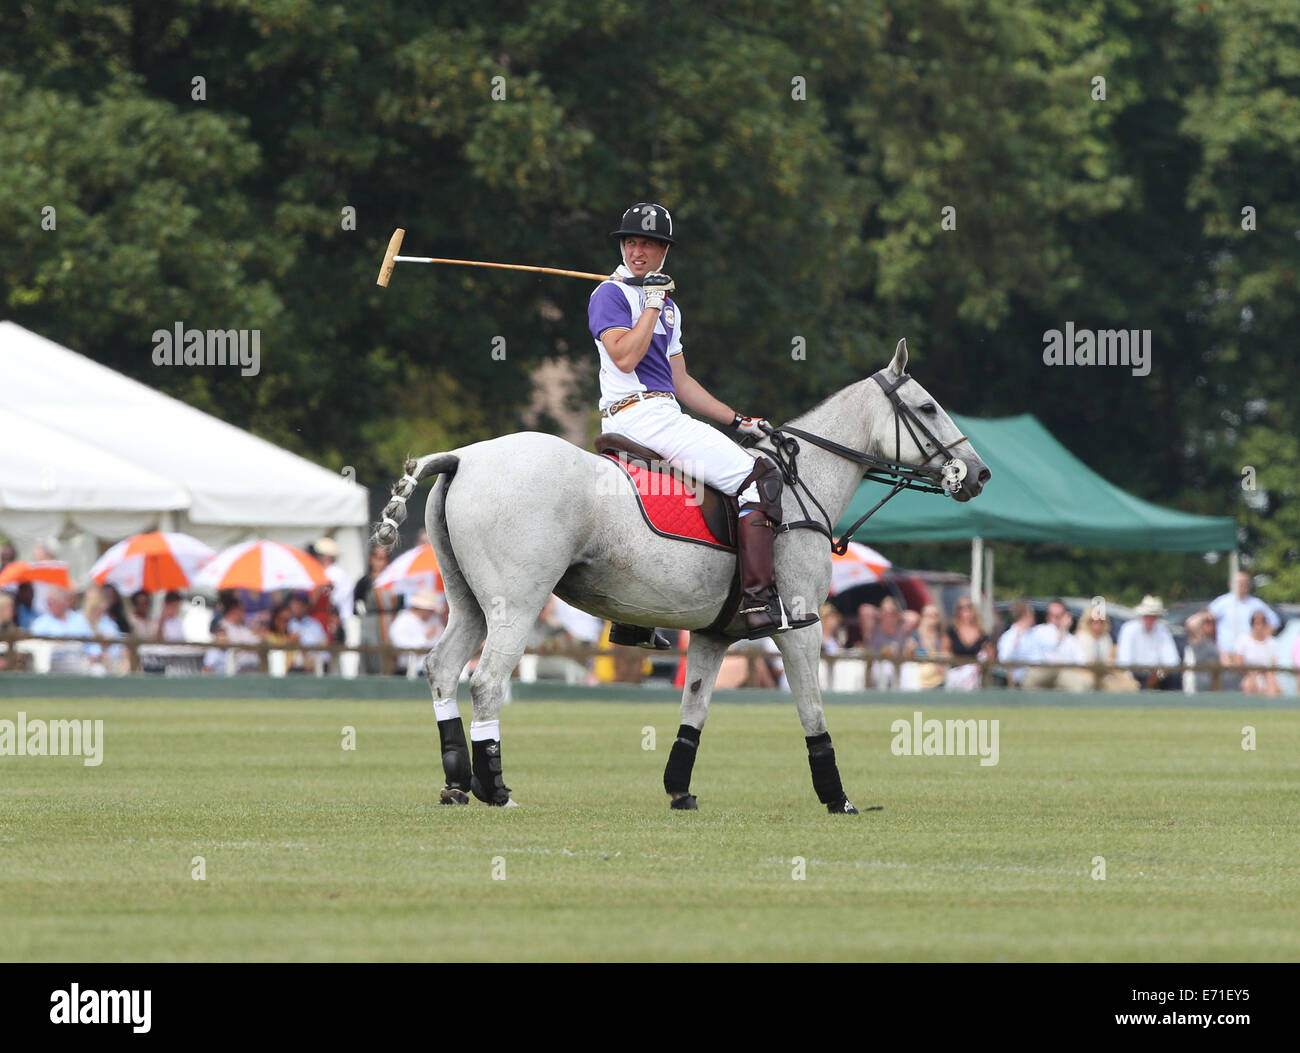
x: 643, y: 386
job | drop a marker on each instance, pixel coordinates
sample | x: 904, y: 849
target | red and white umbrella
x: 155, y: 562
x: 262, y: 566
x: 415, y: 570
x: 40, y: 572
x: 860, y: 565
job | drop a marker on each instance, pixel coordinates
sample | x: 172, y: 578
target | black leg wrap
x: 487, y: 783
x: 681, y: 760
x: 825, y: 773
x: 455, y: 753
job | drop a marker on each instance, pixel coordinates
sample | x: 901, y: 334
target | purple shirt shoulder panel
x: 608, y: 309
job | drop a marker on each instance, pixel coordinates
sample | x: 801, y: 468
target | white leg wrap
x: 479, y: 730
x: 446, y: 709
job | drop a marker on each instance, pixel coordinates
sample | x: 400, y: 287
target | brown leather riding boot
x: 759, y: 602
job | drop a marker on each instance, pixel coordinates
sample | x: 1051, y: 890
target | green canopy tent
x: 1039, y: 492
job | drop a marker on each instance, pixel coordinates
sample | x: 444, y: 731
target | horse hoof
x: 842, y: 807
x: 453, y: 796
x: 686, y: 803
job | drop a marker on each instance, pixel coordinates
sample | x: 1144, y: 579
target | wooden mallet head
x: 394, y: 246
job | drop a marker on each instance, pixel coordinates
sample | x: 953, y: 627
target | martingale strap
x: 895, y: 474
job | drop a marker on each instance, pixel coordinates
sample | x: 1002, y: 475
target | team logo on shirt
x: 670, y: 316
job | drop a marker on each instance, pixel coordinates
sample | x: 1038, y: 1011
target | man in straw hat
x: 1147, y: 646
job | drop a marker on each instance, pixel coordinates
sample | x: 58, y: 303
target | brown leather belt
x: 632, y: 400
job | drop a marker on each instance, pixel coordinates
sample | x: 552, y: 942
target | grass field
x: 316, y: 853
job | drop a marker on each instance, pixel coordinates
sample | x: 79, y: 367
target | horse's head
x: 897, y: 436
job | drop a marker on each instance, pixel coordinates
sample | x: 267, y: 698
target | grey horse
x: 516, y: 518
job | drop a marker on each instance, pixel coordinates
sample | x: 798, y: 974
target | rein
x: 942, y: 479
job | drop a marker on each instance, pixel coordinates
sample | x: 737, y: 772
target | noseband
x: 945, y: 478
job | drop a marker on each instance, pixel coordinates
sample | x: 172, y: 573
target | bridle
x: 945, y: 478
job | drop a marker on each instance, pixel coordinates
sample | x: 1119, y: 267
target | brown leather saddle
x: 719, y: 509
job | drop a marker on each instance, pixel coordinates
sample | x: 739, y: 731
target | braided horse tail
x: 415, y: 469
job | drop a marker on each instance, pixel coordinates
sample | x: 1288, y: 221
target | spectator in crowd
x: 1258, y: 648
x: 230, y: 629
x: 94, y: 608
x: 308, y: 630
x: 1234, y: 610
x: 8, y: 624
x: 341, y: 595
x: 1052, y: 642
x: 860, y: 634
x: 843, y: 674
x: 171, y: 626
x: 62, y: 620
x: 376, y: 608
x: 116, y: 609
x: 42, y: 551
x: 910, y: 619
x: 320, y: 603
x: 1014, y: 645
x: 334, y: 627
x: 142, y: 625
x: 967, y: 638
x: 25, y: 611
x: 551, y: 633
x: 1146, y: 644
x: 930, y: 640
x: 7, y: 555
x: 281, y: 637
x: 1097, y: 647
x: 415, y: 628
x: 764, y: 669
x: 888, y: 638
x: 225, y: 600
x: 832, y: 627
x: 300, y: 614
x: 1201, y: 649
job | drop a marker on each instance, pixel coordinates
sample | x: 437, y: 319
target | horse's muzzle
x: 977, y: 474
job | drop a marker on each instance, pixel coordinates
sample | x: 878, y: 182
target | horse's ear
x: 899, y: 364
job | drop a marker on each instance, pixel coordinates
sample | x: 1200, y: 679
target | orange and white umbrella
x: 41, y: 572
x: 262, y: 566
x: 860, y: 565
x: 415, y: 570
x: 155, y: 562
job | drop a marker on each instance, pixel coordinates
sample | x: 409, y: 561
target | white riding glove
x: 749, y: 425
x: 657, y: 286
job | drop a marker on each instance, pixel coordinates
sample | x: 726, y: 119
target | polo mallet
x: 391, y: 259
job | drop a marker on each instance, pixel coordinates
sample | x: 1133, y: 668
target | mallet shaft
x: 503, y: 267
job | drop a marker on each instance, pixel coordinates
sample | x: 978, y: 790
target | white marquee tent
x: 90, y: 456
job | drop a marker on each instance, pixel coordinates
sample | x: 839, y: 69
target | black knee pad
x: 766, y: 478
x: 825, y: 773
x: 455, y: 753
x: 681, y: 760
x: 487, y: 783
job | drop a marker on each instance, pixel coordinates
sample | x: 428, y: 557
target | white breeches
x: 685, y: 443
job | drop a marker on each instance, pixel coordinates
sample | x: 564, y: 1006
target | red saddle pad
x: 668, y: 506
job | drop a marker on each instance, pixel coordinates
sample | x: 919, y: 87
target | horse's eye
x: 929, y: 408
